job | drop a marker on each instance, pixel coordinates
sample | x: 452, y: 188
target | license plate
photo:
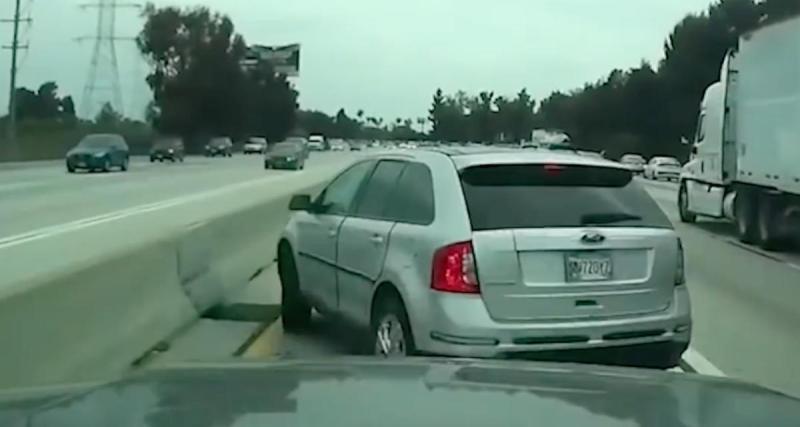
x: 587, y: 267
x: 81, y: 164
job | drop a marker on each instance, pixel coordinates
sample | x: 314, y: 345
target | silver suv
x: 489, y: 253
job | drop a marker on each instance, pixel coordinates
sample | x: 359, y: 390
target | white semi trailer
x: 746, y: 156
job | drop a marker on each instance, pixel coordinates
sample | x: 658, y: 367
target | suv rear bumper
x: 459, y: 325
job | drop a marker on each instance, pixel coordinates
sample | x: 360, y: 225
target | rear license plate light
x: 587, y: 267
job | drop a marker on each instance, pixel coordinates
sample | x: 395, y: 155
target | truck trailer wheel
x: 769, y: 227
x: 746, y: 216
x: 683, y: 206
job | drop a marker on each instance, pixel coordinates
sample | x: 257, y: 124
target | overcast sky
x: 384, y: 56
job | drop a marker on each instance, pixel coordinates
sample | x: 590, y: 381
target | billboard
x: 285, y: 59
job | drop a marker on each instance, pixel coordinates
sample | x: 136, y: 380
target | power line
x: 104, y: 67
x: 12, y: 96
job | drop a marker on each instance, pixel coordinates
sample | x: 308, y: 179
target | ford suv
x: 489, y: 253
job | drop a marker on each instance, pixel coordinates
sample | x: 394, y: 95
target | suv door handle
x: 331, y: 233
x: 376, y: 239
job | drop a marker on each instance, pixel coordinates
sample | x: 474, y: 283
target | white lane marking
x: 700, y: 364
x: 50, y: 231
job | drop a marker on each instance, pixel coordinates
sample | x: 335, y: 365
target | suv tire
x: 391, y: 331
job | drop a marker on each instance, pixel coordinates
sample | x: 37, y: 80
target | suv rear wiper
x: 607, y: 218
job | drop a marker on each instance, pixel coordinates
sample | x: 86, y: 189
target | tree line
x: 360, y: 126
x: 645, y: 109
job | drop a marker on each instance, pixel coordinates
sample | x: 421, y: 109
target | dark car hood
x: 88, y: 150
x: 437, y: 392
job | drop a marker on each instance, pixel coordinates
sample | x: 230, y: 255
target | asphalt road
x: 43, y: 194
x: 746, y: 320
x: 52, y: 222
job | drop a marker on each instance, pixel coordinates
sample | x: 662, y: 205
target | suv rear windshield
x: 539, y: 196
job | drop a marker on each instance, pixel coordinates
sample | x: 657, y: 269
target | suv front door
x: 318, y: 230
x: 363, y: 242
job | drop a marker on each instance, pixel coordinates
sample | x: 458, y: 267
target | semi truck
x: 745, y: 163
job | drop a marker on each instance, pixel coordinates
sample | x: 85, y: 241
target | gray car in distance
x: 490, y: 253
x: 285, y: 155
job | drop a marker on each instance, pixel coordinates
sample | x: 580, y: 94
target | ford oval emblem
x: 593, y: 237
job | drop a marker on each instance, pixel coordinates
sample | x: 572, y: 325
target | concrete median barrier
x: 91, y: 322
x: 111, y: 292
x: 222, y: 254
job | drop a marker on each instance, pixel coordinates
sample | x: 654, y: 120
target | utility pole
x: 12, y: 93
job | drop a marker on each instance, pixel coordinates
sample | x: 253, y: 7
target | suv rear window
x: 539, y: 196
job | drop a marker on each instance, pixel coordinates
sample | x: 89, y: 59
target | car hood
x: 374, y: 392
x: 84, y: 150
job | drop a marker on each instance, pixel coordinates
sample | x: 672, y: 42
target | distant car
x: 340, y: 146
x: 490, y: 253
x: 219, y: 146
x: 255, y: 145
x: 285, y: 155
x: 167, y: 148
x: 357, y: 146
x: 317, y: 143
x: 668, y: 168
x: 634, y: 162
x: 303, y: 142
x: 99, y: 152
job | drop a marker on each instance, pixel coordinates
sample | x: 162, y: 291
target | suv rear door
x: 556, y: 242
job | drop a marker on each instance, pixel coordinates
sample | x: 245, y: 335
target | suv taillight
x: 454, y: 269
x: 680, y: 272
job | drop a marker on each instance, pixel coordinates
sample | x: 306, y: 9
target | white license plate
x: 587, y: 267
x: 81, y: 164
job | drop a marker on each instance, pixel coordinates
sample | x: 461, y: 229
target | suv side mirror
x: 694, y: 150
x: 300, y: 202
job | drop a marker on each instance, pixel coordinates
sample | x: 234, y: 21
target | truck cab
x: 745, y: 155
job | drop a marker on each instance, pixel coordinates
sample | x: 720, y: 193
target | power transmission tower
x: 12, y: 94
x: 104, y: 67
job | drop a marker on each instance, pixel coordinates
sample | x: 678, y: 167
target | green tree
x: 108, y: 117
x: 272, y: 104
x: 44, y: 104
x: 197, y: 81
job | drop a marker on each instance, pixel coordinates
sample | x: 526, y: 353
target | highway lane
x: 746, y: 319
x: 43, y: 194
x: 62, y: 222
